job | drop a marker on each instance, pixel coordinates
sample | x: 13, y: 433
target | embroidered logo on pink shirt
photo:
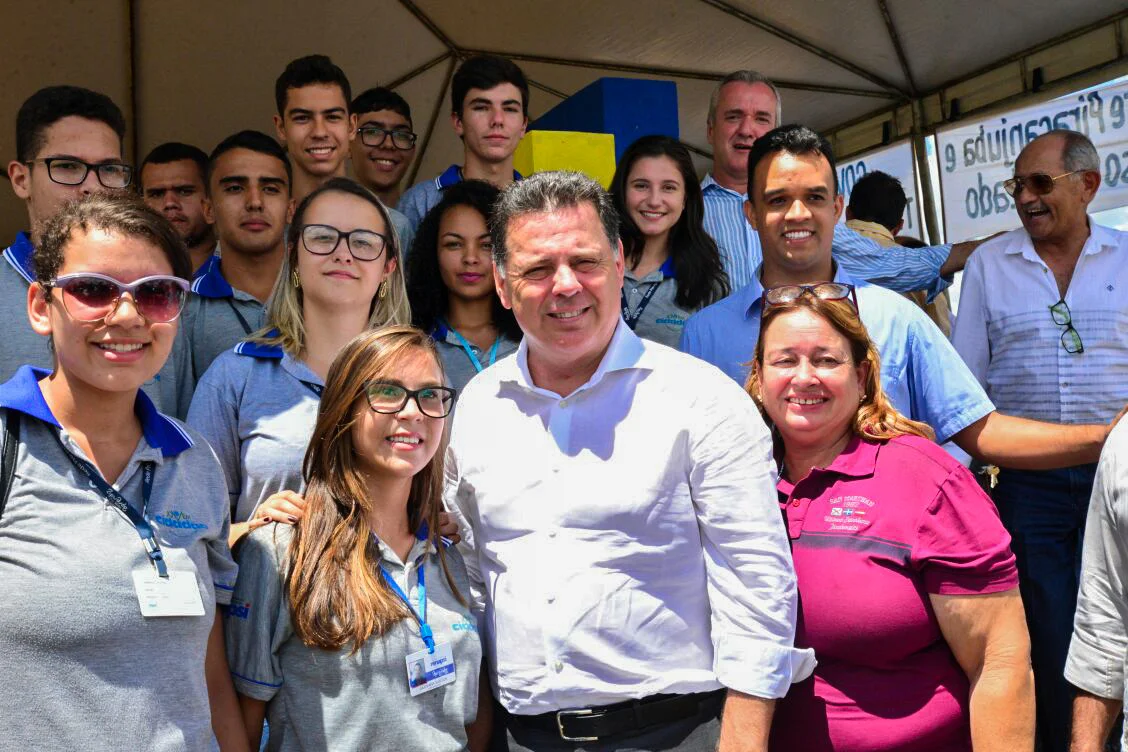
x: 850, y: 513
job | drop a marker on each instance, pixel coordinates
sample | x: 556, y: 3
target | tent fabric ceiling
x: 198, y: 71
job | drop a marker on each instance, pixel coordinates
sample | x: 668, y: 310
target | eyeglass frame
x: 388, y: 133
x: 851, y: 294
x: 48, y: 161
x: 408, y: 395
x: 1069, y: 327
x: 123, y: 288
x: 347, y: 236
x: 1015, y: 184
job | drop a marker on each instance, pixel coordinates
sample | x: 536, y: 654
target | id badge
x: 427, y: 671
x: 178, y: 595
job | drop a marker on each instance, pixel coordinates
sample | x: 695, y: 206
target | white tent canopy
x: 865, y: 71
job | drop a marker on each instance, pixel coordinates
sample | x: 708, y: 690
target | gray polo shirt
x: 405, y: 231
x: 255, y: 409
x: 217, y: 317
x: 82, y: 668
x: 662, y: 319
x: 325, y: 699
x: 457, y: 364
x: 21, y: 345
x: 422, y: 197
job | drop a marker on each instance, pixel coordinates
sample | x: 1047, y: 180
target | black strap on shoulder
x: 8, y: 457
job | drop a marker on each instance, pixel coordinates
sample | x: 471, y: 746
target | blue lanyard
x: 111, y: 494
x: 470, y: 351
x: 632, y: 318
x: 420, y: 614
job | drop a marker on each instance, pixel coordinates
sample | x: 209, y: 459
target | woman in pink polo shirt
x: 908, y: 588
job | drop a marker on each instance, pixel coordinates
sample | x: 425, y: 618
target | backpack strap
x: 8, y: 456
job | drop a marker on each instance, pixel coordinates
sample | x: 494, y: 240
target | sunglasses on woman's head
x: 89, y: 296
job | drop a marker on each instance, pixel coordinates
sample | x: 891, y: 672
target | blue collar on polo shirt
x: 667, y: 268
x: 209, y: 281
x: 453, y: 175
x: 22, y: 393
x: 259, y: 350
x: 18, y: 254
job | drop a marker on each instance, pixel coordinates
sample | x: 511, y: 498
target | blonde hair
x: 337, y: 595
x: 284, y: 308
x: 876, y: 417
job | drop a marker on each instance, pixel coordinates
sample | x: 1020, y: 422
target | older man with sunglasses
x: 1043, y: 324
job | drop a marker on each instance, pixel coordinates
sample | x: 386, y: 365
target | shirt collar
x: 871, y: 229
x: 1100, y: 238
x: 23, y: 393
x: 253, y: 349
x: 453, y: 174
x: 625, y: 351
x: 666, y: 270
x: 18, y: 255
x: 209, y: 281
x: 857, y: 460
x: 710, y: 184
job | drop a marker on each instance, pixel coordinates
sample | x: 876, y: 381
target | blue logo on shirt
x: 239, y: 610
x: 179, y: 520
x: 466, y: 625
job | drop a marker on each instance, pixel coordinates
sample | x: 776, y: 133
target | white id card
x: 427, y: 671
x: 179, y: 595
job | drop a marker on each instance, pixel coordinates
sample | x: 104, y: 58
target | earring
x: 382, y: 290
x: 861, y: 399
x: 296, y: 279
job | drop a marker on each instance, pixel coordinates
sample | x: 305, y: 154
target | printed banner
x: 895, y: 160
x: 975, y: 158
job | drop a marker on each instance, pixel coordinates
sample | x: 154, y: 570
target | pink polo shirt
x: 873, y: 535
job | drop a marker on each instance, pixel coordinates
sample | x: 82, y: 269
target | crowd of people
x: 293, y: 461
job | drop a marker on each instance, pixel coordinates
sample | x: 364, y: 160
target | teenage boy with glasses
x: 68, y: 145
x: 1043, y: 324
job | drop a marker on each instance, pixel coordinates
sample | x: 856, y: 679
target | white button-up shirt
x: 1006, y: 334
x: 625, y: 539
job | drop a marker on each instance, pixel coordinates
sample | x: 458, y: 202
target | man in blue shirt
x: 746, y: 105
x: 794, y: 204
x: 489, y: 102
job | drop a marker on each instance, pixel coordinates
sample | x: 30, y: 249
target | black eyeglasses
x: 372, y: 135
x: 364, y: 245
x: 1070, y: 339
x: 68, y: 171
x: 1039, y: 183
x: 89, y: 296
x: 784, y: 294
x: 433, y: 401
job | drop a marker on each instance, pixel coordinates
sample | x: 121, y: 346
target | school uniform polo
x: 217, y: 317
x: 457, y: 364
x: 657, y: 315
x: 22, y: 346
x: 83, y: 669
x: 424, y: 196
x: 336, y: 699
x: 873, y: 535
x: 257, y: 406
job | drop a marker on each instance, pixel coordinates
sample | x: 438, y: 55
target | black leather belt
x: 593, y: 724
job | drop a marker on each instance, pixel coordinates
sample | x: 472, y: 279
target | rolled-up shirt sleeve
x: 750, y: 576
x: 1100, y: 640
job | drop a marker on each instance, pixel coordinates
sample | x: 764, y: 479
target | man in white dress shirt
x: 1043, y: 324
x: 619, y: 510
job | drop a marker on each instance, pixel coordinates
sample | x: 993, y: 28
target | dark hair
x: 115, y: 212
x: 486, y: 72
x: 48, y: 106
x: 308, y: 70
x: 428, y: 295
x: 878, y: 197
x: 698, y: 269
x: 379, y: 98
x: 793, y: 139
x: 548, y: 192
x: 174, y: 151
x: 252, y: 141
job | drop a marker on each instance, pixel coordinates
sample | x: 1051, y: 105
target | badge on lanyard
x: 432, y: 667
x: 175, y: 595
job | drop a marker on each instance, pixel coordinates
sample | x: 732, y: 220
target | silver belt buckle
x: 560, y: 714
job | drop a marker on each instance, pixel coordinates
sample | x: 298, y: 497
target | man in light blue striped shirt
x: 746, y: 105
x: 1043, y: 324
